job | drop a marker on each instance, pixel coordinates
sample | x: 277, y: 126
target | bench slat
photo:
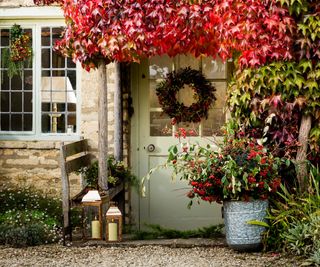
x: 77, y: 163
x: 75, y: 148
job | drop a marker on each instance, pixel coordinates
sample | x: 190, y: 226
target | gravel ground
x: 57, y: 255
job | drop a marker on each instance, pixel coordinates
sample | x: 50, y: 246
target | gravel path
x: 57, y: 255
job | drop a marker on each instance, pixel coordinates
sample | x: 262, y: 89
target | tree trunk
x: 301, y: 158
x: 118, y: 149
x: 103, y: 126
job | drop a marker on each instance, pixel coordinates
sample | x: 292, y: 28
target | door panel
x: 166, y: 201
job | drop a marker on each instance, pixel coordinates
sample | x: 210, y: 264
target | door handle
x: 151, y: 148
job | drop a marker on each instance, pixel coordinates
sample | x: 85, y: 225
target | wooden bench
x: 73, y: 156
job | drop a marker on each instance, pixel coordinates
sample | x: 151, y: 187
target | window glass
x: 15, y: 106
x: 214, y: 70
x: 58, y: 87
x: 53, y: 103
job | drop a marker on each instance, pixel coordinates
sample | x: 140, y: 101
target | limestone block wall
x: 25, y: 163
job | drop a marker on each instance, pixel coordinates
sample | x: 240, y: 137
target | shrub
x: 28, y: 217
x: 294, y: 221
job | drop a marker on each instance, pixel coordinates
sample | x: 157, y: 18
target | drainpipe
x: 118, y: 133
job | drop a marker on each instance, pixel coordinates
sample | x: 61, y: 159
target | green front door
x: 152, y: 134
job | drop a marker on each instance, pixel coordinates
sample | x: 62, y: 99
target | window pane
x: 27, y: 102
x: 70, y: 63
x: 212, y: 126
x: 56, y: 34
x: 160, y: 124
x: 45, y: 58
x: 45, y: 122
x: 71, y: 127
x: 4, y: 122
x: 16, y: 102
x: 46, y: 73
x: 220, y: 93
x: 153, y: 99
x: 16, y: 83
x: 190, y: 127
x: 72, y: 76
x: 16, y: 122
x: 4, y: 80
x: 45, y: 36
x: 57, y: 60
x: 214, y: 69
x: 4, y: 54
x: 72, y: 107
x: 58, y: 73
x: 27, y: 122
x: 5, y: 100
x: 188, y: 61
x: 159, y: 67
x: 45, y: 106
x: 28, y: 80
x: 61, y: 127
x: 4, y: 37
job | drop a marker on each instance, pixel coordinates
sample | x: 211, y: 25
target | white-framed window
x: 43, y: 101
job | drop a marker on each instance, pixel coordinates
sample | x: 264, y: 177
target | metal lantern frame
x: 97, y: 204
x: 114, y: 215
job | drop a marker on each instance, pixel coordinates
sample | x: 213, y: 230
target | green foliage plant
x: 117, y: 173
x: 28, y: 217
x: 19, y: 53
x: 294, y: 221
x: 274, y: 98
x: 239, y: 168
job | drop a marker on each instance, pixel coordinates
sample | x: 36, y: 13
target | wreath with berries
x: 19, y: 53
x: 203, y: 93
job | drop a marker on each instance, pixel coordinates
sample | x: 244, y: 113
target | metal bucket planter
x: 239, y: 234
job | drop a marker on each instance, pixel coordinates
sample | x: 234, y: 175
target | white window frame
x: 35, y: 18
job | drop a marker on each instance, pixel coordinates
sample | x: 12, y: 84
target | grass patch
x: 158, y: 232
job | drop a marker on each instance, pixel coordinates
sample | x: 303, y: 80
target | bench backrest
x: 73, y: 156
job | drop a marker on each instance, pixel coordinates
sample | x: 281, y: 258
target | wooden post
x: 118, y: 140
x: 301, y: 158
x: 65, y: 194
x: 103, y: 126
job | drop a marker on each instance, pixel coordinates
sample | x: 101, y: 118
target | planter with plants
x: 118, y: 173
x: 239, y: 172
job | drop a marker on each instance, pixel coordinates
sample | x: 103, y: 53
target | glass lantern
x: 92, y: 215
x: 113, y: 224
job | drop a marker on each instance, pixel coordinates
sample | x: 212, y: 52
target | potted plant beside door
x: 240, y: 173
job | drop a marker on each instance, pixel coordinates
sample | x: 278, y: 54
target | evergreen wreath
x: 203, y: 91
x: 19, y: 52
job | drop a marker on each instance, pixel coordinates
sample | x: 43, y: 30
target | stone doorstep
x: 173, y: 243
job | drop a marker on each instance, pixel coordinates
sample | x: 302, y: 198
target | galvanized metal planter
x: 239, y: 234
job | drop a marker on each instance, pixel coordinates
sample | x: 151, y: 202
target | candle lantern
x: 92, y: 215
x: 114, y: 224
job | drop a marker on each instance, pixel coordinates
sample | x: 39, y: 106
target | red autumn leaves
x: 127, y: 30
